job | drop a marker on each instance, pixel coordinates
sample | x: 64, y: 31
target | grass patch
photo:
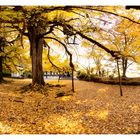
x: 106, y: 80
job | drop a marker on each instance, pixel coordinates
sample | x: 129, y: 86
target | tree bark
x: 1, y: 74
x: 121, y: 93
x: 73, y: 80
x: 124, y: 66
x: 36, y: 50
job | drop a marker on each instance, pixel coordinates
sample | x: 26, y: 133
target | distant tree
x: 8, y: 52
x: 124, y: 38
x: 2, y: 44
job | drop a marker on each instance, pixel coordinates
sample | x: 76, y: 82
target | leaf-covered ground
x: 94, y: 108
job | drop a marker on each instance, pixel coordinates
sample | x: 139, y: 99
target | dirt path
x: 93, y: 109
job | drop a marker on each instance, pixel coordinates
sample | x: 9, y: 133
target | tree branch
x: 48, y: 55
x: 113, y: 53
x: 66, y: 49
x: 104, y: 11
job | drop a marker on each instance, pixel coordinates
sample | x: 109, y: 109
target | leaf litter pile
x: 94, y: 108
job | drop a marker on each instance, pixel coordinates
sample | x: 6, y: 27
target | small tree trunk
x: 72, y: 80
x: 124, y: 66
x: 59, y: 77
x: 119, y: 78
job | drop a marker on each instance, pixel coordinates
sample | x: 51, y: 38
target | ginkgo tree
x: 35, y: 23
x: 10, y: 52
x: 42, y: 22
x: 94, y: 58
x: 123, y: 37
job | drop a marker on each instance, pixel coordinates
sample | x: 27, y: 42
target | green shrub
x: 27, y: 74
x: 94, y: 78
x: 6, y: 74
x: 81, y: 75
x: 87, y: 77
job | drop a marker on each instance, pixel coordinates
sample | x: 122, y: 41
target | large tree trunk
x: 36, y: 56
x: 37, y: 70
